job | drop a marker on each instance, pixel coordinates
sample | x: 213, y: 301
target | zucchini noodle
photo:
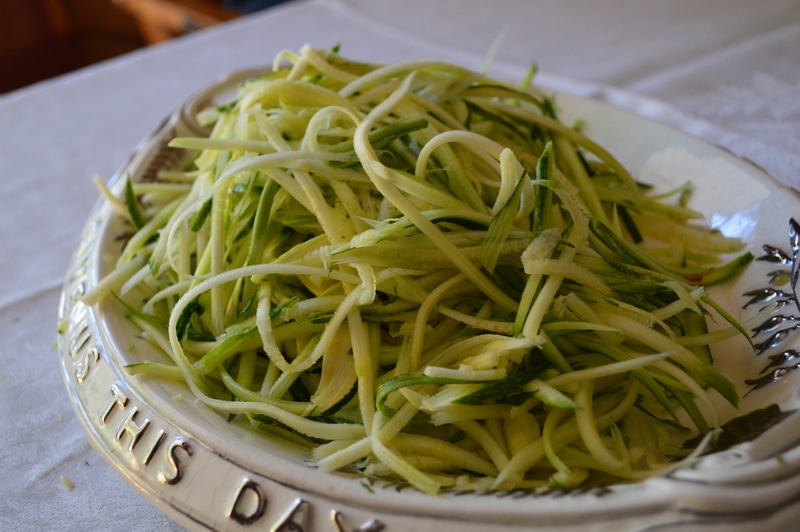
x: 424, y: 276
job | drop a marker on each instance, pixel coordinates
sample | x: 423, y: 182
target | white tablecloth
x: 725, y: 70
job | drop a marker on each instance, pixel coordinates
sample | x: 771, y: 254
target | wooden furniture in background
x: 160, y: 20
x: 40, y: 39
x: 45, y: 38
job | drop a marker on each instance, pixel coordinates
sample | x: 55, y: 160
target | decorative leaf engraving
x: 779, y: 327
x: 775, y: 340
x: 748, y: 426
x: 773, y: 323
x: 771, y: 376
x: 776, y: 255
x: 765, y: 295
x: 794, y: 237
x: 779, y: 277
x: 782, y: 358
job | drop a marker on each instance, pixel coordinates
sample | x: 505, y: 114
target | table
x: 727, y: 71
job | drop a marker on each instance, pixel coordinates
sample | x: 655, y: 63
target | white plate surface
x: 207, y: 473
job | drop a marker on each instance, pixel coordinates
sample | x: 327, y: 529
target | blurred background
x: 40, y: 39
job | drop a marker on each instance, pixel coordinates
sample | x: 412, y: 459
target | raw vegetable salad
x: 420, y: 274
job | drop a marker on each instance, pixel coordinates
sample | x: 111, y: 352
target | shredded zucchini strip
x: 420, y: 274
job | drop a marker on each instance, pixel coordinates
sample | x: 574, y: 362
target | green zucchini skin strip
x: 421, y: 273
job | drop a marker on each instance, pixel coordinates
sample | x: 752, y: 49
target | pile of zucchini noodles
x: 420, y: 274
